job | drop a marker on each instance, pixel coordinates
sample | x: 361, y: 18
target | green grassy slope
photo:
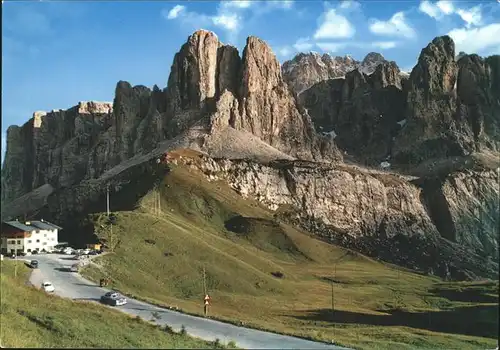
x: 31, y: 318
x: 206, y: 225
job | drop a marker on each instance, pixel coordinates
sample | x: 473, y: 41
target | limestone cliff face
x: 210, y: 88
x: 367, y: 209
x: 246, y: 94
x: 449, y: 105
x: 443, y: 109
x: 52, y: 147
x: 360, y: 112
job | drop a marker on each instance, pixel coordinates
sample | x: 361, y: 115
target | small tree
x: 107, y: 233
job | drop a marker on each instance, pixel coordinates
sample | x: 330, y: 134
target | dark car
x: 34, y: 264
x: 113, y: 299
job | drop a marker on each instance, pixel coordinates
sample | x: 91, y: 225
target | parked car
x: 48, y: 287
x: 68, y: 251
x: 113, y: 299
x: 34, y: 264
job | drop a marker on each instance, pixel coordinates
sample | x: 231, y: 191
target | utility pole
x: 159, y: 200
x: 204, y: 282
x: 107, y: 199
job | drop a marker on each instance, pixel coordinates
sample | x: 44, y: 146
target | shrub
x: 217, y: 343
x: 168, y: 329
x: 278, y: 274
x: 183, y: 330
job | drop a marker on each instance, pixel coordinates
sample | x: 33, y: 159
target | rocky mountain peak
x: 371, y: 62
x: 261, y: 69
x: 307, y: 69
x: 436, y: 68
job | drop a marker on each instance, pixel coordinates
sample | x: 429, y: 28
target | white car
x: 48, y: 287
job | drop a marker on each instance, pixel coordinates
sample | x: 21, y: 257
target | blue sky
x: 56, y: 53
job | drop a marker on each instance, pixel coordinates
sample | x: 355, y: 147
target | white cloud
x: 476, y: 40
x: 175, y: 11
x: 284, y: 51
x: 335, y: 47
x: 303, y: 44
x: 241, y: 4
x: 384, y: 45
x: 471, y: 16
x: 332, y: 47
x: 395, y: 26
x: 446, y: 7
x: 280, y: 4
x: 429, y: 9
x: 334, y: 26
x: 437, y: 10
x: 226, y: 21
x: 350, y: 5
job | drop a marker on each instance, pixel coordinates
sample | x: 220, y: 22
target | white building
x: 26, y: 237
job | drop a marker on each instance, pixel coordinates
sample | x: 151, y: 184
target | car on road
x: 34, y: 264
x: 113, y: 299
x: 48, y: 287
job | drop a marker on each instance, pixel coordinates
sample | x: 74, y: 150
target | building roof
x: 45, y: 225
x: 30, y: 226
x: 19, y: 225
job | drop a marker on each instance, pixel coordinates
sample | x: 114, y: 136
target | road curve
x: 72, y: 285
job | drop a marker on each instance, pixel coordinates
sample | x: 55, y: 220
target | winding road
x: 53, y: 268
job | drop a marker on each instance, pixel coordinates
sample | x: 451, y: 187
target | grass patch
x: 207, y: 226
x: 31, y: 318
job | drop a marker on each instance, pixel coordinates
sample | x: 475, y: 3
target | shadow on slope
x: 468, y: 320
x: 265, y: 234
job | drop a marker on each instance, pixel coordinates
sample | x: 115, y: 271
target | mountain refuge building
x: 27, y: 237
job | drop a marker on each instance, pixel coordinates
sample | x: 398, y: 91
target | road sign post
x: 207, y: 304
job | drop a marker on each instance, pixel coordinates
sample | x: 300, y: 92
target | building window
x: 29, y: 250
x: 45, y: 235
x: 18, y: 241
x: 37, y: 241
x: 44, y: 243
x: 12, y: 241
x: 29, y: 240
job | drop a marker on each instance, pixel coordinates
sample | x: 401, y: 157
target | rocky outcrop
x: 360, y: 112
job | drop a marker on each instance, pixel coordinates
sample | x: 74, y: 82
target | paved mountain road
x: 72, y: 285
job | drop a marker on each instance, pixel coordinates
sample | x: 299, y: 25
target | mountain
x: 315, y: 157
x: 215, y: 101
x: 307, y: 69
